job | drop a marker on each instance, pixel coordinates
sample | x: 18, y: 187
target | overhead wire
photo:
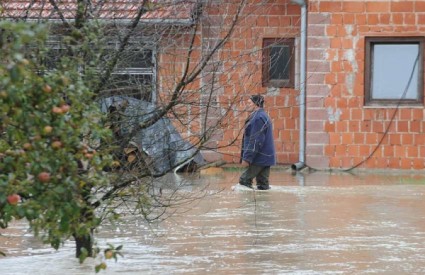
x: 391, y: 120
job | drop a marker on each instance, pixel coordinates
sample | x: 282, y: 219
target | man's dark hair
x: 258, y: 100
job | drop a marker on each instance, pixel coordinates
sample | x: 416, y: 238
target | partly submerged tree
x: 65, y: 165
x: 53, y: 148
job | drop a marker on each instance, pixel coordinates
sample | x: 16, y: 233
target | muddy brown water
x: 310, y: 223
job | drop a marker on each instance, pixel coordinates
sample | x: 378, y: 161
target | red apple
x: 109, y: 254
x: 56, y: 144
x: 27, y: 146
x: 13, y: 199
x: 88, y: 155
x: 47, y: 89
x: 57, y: 110
x: 47, y: 129
x: 65, y: 108
x: 44, y: 177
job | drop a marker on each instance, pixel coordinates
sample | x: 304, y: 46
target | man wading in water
x: 258, y: 153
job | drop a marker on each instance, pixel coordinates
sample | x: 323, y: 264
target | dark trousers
x: 260, y: 173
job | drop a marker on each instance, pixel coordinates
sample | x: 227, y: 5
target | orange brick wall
x: 237, y: 73
x: 172, y: 57
x: 242, y: 77
x: 341, y: 132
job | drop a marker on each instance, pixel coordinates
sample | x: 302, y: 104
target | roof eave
x: 172, y: 22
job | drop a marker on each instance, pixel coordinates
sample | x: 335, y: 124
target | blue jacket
x: 257, y: 142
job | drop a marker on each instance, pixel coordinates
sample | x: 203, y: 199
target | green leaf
x: 83, y: 255
x: 99, y: 267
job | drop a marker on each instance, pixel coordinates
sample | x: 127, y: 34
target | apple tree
x: 61, y: 167
x: 51, y: 142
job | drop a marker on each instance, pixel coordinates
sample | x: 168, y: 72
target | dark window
x: 136, y: 58
x: 53, y: 53
x: 129, y: 84
x: 134, y: 74
x: 53, y: 57
x: 278, y: 62
x: 394, y: 71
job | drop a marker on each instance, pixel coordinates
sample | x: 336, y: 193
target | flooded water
x: 317, y: 223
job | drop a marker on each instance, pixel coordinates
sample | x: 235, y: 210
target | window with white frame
x: 394, y: 71
x: 134, y: 74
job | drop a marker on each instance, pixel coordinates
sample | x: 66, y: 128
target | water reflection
x: 318, y: 223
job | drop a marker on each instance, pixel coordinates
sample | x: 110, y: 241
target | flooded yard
x: 316, y: 223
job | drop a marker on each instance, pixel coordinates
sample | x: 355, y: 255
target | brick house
x: 357, y: 66
x: 364, y: 84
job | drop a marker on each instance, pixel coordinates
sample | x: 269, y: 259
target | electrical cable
x: 391, y: 121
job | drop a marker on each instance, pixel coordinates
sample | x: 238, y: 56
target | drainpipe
x: 303, y: 47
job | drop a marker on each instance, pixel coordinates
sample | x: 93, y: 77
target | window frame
x: 266, y: 60
x: 135, y: 71
x: 55, y: 43
x: 370, y: 42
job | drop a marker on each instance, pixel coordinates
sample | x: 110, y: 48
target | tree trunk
x: 85, y: 242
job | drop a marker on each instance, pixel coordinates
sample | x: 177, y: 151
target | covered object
x: 160, y: 145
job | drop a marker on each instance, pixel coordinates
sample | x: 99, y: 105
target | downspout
x: 303, y: 48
